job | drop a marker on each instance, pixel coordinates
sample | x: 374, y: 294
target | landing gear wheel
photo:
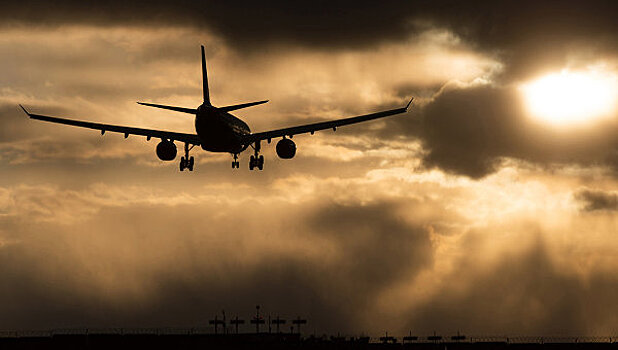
x: 235, y: 163
x: 260, y: 162
x: 187, y: 162
x: 256, y: 160
x: 191, y: 162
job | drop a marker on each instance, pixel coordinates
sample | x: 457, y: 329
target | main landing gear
x: 256, y: 160
x: 186, y: 162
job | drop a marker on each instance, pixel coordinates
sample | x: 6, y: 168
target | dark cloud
x: 377, y: 246
x: 530, y: 31
x: 529, y: 36
x: 471, y: 130
x: 245, y: 24
x: 524, y: 293
x: 594, y: 200
x: 154, y: 265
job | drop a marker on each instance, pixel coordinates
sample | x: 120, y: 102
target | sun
x: 572, y: 97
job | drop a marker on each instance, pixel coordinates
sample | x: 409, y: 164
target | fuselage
x: 220, y: 131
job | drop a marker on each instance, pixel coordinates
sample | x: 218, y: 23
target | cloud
x: 112, y: 258
x: 354, y: 253
x: 522, y: 293
x: 97, y: 74
x: 373, y: 227
x: 594, y: 200
x: 470, y: 130
x: 529, y: 35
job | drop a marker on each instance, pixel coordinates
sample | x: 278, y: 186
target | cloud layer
x: 465, y: 214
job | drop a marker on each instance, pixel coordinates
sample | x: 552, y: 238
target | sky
x: 474, y: 212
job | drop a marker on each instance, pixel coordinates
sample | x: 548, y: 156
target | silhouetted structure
x: 170, y: 338
x: 298, y: 321
x: 386, y: 339
x: 278, y: 322
x: 458, y: 337
x: 434, y: 338
x: 409, y: 338
x: 216, y: 322
x: 236, y: 322
x: 257, y: 319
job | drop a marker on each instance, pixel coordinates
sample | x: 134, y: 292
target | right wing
x: 192, y: 139
x: 311, y: 128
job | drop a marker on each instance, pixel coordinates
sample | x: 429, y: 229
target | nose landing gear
x: 235, y: 163
x: 256, y: 160
x: 187, y: 162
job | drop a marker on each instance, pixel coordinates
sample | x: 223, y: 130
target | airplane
x: 217, y: 130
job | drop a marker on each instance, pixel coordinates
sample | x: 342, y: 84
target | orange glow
x: 571, y: 97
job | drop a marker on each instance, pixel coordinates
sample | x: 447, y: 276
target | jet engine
x: 166, y: 150
x: 286, y: 149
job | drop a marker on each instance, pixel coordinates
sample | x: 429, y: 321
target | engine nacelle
x: 286, y: 149
x: 166, y: 150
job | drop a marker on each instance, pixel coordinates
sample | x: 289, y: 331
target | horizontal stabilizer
x: 242, y: 105
x: 171, y: 108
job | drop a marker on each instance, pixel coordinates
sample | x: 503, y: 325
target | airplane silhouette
x: 219, y: 131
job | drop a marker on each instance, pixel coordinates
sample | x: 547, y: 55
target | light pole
x: 236, y: 322
x: 257, y: 319
x: 278, y: 322
x: 298, y: 321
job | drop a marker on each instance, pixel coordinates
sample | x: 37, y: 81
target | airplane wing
x: 311, y: 128
x: 167, y: 135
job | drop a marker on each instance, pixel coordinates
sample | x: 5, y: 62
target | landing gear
x: 256, y: 160
x: 235, y: 162
x: 187, y: 162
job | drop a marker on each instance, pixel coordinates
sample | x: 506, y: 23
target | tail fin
x: 205, y: 79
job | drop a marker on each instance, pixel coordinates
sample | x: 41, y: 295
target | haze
x: 467, y: 214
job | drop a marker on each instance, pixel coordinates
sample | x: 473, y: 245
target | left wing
x: 167, y: 135
x: 333, y: 124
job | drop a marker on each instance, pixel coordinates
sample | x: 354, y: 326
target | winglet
x: 409, y: 103
x: 25, y: 111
